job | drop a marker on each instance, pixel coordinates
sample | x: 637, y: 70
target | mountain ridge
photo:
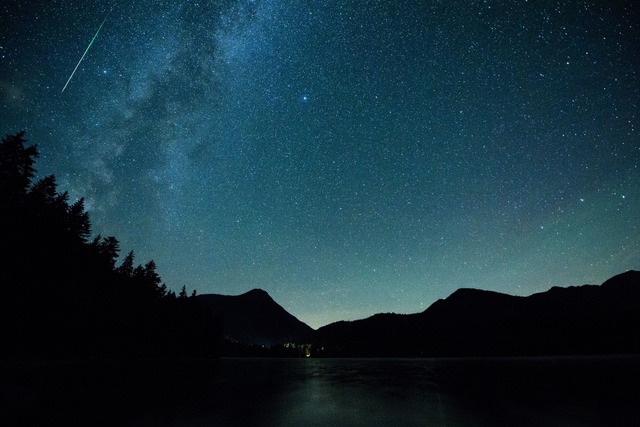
x: 255, y: 318
x: 583, y: 319
x: 586, y: 319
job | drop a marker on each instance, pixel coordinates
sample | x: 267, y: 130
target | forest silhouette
x: 64, y: 294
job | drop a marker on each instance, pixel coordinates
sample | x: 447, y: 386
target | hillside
x: 585, y: 319
x: 254, y: 317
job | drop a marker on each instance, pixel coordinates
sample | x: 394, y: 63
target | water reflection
x: 484, y: 392
x: 338, y: 392
x: 345, y: 392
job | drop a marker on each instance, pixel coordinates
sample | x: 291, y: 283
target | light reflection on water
x: 484, y: 392
x: 362, y: 393
x: 327, y: 392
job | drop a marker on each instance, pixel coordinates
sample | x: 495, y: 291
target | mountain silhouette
x: 255, y: 318
x: 577, y: 320
x: 585, y: 319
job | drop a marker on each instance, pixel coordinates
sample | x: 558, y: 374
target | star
x: 318, y: 147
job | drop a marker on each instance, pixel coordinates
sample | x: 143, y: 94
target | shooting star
x: 85, y: 51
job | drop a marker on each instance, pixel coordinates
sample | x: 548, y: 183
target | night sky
x: 349, y: 157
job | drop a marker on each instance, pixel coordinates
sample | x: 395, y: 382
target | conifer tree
x: 16, y: 166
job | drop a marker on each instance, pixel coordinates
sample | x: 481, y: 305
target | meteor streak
x: 85, y: 51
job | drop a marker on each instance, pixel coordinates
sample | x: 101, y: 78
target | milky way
x: 349, y: 157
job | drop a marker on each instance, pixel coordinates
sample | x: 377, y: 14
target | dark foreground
x: 586, y: 391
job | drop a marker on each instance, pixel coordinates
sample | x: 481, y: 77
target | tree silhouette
x: 16, y: 166
x: 62, y: 294
x: 78, y: 221
x: 126, y: 268
x: 183, y: 292
x: 107, y: 248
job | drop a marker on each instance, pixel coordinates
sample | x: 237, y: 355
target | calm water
x: 326, y: 392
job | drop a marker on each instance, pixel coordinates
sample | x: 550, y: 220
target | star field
x: 349, y: 157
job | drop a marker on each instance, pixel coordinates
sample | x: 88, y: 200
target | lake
x: 567, y: 391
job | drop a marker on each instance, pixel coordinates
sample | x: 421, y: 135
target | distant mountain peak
x: 630, y: 277
x: 464, y: 292
x: 257, y: 292
x: 254, y: 317
x: 476, y: 296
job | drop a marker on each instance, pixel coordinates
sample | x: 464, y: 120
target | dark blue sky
x: 349, y: 157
